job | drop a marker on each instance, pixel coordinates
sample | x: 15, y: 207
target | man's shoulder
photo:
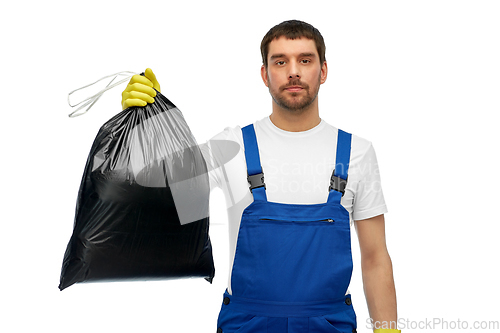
x: 359, y: 144
x: 234, y: 132
x: 229, y: 133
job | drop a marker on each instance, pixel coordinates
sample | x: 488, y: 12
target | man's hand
x: 139, y: 91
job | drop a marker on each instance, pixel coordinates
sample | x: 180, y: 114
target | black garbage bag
x: 142, y: 207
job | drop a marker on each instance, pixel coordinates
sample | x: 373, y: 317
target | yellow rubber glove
x: 386, y: 330
x: 139, y: 91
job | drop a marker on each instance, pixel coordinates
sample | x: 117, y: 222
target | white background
x: 420, y: 79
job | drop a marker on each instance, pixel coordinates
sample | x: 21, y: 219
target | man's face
x: 294, y: 73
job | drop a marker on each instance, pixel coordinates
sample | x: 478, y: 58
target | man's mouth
x: 294, y: 88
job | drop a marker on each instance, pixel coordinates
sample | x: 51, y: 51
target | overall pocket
x: 292, y: 261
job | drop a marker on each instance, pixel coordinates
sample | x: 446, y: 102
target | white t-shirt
x: 297, y: 168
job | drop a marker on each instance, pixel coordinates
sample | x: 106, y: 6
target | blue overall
x: 293, y: 263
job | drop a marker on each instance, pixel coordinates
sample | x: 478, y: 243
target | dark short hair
x: 293, y: 29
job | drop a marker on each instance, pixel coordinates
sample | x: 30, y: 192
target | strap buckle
x: 338, y: 184
x: 256, y: 181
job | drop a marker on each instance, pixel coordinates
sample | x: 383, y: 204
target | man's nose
x: 294, y: 72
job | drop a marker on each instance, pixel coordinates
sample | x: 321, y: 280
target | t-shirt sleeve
x: 218, y: 151
x: 369, y: 198
x: 210, y: 156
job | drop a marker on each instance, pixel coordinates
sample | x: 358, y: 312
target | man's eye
x: 305, y: 61
x: 280, y: 63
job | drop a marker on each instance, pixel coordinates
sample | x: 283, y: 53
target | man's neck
x: 295, y: 121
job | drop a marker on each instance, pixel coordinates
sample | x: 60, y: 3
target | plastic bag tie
x: 90, y: 101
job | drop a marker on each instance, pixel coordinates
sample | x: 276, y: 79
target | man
x: 290, y: 233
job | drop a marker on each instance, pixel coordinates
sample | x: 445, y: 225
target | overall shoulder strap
x: 338, y: 181
x: 254, y: 168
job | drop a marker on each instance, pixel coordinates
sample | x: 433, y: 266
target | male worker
x: 300, y: 181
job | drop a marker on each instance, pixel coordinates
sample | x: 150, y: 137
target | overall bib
x: 293, y: 263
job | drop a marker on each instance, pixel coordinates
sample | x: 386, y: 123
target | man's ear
x: 263, y: 73
x: 324, y: 72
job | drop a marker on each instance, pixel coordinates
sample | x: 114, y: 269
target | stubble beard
x: 295, y: 105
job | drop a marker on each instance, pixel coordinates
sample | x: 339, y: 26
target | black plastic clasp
x: 256, y: 181
x: 338, y: 184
